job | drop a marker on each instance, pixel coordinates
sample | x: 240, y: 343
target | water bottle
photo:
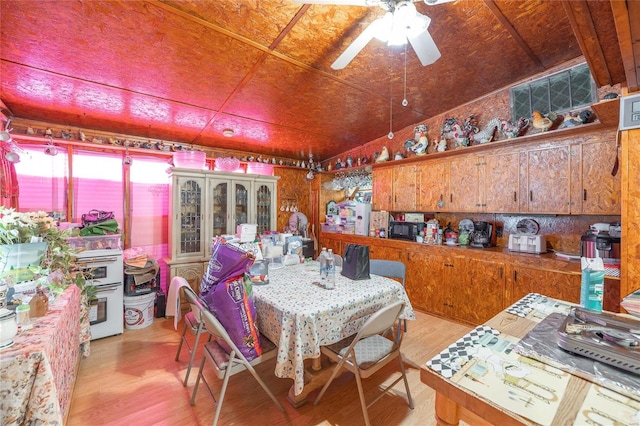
x: 322, y: 258
x: 330, y: 283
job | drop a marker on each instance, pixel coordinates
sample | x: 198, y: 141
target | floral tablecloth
x: 37, y: 373
x: 300, y: 316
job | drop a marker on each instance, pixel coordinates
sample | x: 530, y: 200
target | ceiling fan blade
x: 357, y: 45
x: 425, y: 47
x: 340, y: 2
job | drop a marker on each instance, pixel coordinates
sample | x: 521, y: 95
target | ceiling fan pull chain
x: 405, y: 102
x: 390, y: 135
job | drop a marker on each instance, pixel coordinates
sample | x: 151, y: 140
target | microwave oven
x: 406, y: 230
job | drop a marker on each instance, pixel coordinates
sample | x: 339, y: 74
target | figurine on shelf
x: 440, y: 145
x: 338, y: 164
x: 486, y: 134
x: 349, y: 161
x: 511, y: 131
x: 383, y: 156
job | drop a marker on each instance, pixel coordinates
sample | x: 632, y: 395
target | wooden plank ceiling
x: 185, y: 70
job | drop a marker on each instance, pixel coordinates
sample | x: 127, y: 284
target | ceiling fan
x: 400, y: 24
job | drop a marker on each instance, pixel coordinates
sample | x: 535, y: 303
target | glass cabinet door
x: 264, y: 203
x: 220, y: 207
x: 190, y: 215
x: 241, y: 204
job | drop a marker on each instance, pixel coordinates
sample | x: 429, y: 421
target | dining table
x: 298, y: 314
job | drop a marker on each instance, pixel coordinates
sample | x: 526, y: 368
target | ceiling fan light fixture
x: 227, y: 133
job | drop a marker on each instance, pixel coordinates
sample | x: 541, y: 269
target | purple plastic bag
x: 231, y: 299
x: 226, y: 261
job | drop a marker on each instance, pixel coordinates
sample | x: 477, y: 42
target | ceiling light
x: 227, y: 133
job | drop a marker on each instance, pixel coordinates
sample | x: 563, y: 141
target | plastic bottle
x: 592, y: 284
x: 330, y: 283
x: 322, y: 258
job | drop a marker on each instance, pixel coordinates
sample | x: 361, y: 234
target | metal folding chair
x: 369, y: 351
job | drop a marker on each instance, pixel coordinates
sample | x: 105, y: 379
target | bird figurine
x: 510, y: 131
x: 384, y: 155
x: 543, y: 123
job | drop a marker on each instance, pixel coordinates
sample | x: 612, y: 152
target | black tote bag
x: 355, y: 264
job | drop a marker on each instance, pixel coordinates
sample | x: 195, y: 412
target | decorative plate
x: 527, y: 226
x: 466, y: 225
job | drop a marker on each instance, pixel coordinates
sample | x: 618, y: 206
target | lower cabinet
x: 479, y: 293
x: 192, y: 273
x: 428, y: 282
x: 380, y: 250
x: 463, y: 289
x: 523, y: 280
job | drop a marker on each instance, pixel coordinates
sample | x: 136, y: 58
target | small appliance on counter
x: 406, y: 230
x: 601, y: 241
x: 526, y: 240
x: 482, y: 234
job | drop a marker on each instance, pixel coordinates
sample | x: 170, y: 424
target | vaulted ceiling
x: 184, y: 71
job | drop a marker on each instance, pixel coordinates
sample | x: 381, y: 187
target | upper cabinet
x: 404, y: 188
x: 596, y: 189
x: 382, y: 189
x: 432, y: 186
x: 545, y: 187
x: 206, y: 204
x: 500, y: 182
x: 571, y: 175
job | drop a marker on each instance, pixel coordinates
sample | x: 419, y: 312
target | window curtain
x: 9, y: 190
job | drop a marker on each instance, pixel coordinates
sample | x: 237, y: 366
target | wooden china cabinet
x: 205, y: 204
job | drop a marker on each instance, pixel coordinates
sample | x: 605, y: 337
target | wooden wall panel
x: 293, y: 187
x: 630, y: 264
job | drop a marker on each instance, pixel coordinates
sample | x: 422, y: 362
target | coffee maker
x: 482, y: 233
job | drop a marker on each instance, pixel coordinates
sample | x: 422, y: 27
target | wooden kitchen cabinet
x: 479, y: 290
x: 464, y: 184
x: 523, y: 280
x: 500, y: 177
x: 546, y: 183
x: 404, y: 188
x: 594, y: 189
x: 382, y: 189
x: 378, y: 249
x: 464, y: 289
x: 427, y: 282
x: 432, y: 186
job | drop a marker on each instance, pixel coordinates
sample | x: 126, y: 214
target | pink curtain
x: 9, y: 190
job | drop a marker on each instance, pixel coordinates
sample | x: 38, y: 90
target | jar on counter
x: 383, y: 233
x: 23, y: 315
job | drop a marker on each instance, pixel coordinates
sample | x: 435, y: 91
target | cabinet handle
x: 500, y: 273
x: 515, y: 276
x: 584, y: 195
x: 451, y: 198
x: 515, y: 196
x: 530, y: 195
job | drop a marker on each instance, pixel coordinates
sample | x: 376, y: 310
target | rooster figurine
x: 543, y: 123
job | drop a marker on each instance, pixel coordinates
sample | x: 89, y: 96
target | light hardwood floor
x: 133, y: 379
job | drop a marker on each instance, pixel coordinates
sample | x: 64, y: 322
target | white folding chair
x: 368, y: 352
x: 389, y: 269
x: 228, y: 364
x: 192, y: 322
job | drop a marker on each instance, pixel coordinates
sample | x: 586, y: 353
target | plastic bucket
x: 138, y: 311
